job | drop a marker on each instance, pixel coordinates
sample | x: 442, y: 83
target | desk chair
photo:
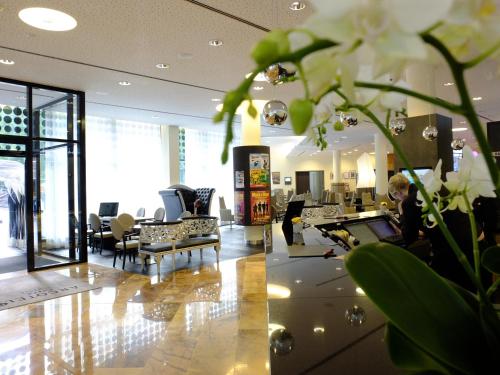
x: 159, y: 214
x: 141, y: 212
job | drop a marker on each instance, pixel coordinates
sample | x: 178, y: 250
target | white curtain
x: 123, y: 161
x: 204, y: 167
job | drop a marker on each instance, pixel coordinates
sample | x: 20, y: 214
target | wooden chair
x: 124, y: 244
x: 101, y: 232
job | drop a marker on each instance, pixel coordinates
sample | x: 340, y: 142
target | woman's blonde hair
x: 398, y: 183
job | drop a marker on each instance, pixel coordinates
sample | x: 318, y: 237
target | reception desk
x: 320, y: 322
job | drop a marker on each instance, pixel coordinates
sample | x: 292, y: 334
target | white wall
x: 287, y: 166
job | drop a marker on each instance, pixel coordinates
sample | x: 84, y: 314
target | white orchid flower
x: 472, y: 180
x: 432, y: 183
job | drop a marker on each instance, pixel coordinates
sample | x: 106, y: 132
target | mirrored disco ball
x: 348, y: 120
x: 281, y: 341
x: 276, y: 73
x: 275, y: 112
x: 397, y: 126
x: 430, y: 133
x: 458, y: 143
x: 355, y: 316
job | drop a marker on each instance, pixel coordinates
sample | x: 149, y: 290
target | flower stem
x: 493, y: 288
x: 473, y: 228
x: 430, y: 99
x: 458, y: 69
x: 480, y: 58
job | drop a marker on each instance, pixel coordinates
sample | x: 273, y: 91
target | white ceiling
x: 118, y: 40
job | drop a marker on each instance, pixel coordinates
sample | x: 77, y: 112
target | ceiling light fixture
x: 7, y: 62
x: 297, y: 5
x: 162, y: 66
x: 101, y: 93
x: 215, y: 99
x: 47, y: 19
x: 258, y: 88
x: 448, y: 84
x: 155, y: 116
x: 355, y: 150
x: 124, y: 83
x: 458, y: 129
x: 215, y: 42
x: 476, y: 98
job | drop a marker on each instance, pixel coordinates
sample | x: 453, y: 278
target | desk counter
x: 320, y: 322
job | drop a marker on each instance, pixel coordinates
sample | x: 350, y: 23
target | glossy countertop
x: 320, y: 322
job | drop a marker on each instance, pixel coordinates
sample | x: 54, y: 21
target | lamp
x: 366, y: 175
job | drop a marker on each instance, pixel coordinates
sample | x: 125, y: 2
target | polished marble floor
x: 202, y: 319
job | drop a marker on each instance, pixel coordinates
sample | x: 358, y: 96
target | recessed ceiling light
x: 458, y: 129
x: 319, y: 330
x: 336, y: 141
x: 215, y: 99
x: 297, y: 5
x: 124, y: 83
x: 258, y: 88
x: 462, y: 122
x: 343, y: 137
x: 344, y: 154
x: 7, y: 62
x: 349, y: 152
x: 215, y: 42
x: 162, y: 66
x: 476, y: 98
x: 448, y: 84
x: 47, y: 19
x: 155, y: 116
x: 355, y: 150
x: 258, y: 78
x: 101, y: 93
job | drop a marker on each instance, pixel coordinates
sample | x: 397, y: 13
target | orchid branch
x: 480, y: 58
x: 475, y: 246
x: 493, y: 288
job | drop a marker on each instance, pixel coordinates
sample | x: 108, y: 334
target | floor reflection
x: 205, y: 320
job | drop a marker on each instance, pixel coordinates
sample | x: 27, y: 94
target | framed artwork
x: 353, y: 174
x: 345, y: 175
x: 276, y: 177
x: 239, y: 179
x: 288, y: 180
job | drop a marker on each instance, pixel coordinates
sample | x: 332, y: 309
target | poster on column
x: 239, y: 179
x: 260, y: 207
x: 259, y: 170
x: 239, y: 207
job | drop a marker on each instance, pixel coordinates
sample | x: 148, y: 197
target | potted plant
x: 349, y: 56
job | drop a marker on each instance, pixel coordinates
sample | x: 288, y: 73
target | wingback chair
x: 180, y: 198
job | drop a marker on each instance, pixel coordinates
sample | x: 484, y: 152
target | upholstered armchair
x: 180, y: 198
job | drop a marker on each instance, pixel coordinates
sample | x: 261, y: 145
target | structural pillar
x: 170, y: 153
x: 250, y: 136
x: 420, y: 77
x: 381, y: 181
x: 336, y: 159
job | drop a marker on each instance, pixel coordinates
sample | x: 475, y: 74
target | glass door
x: 42, y: 176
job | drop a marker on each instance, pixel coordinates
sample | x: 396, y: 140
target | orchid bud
x: 301, y: 113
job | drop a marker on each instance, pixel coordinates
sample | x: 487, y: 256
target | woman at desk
x: 412, y: 226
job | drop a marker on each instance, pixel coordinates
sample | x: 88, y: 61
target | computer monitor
x: 420, y: 172
x: 108, y: 209
x: 381, y: 228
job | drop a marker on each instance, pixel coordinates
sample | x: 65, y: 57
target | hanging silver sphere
x: 355, y: 316
x: 276, y: 74
x: 348, y: 120
x: 397, y: 126
x: 275, y: 112
x: 458, y: 143
x: 281, y: 341
x: 430, y: 133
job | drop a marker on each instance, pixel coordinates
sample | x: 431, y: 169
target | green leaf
x: 252, y: 111
x: 421, y: 304
x: 406, y: 355
x: 491, y: 259
x: 301, y: 113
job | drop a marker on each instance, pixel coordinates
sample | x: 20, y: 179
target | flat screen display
x: 420, y: 172
x: 108, y: 209
x: 362, y: 232
x: 381, y: 228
